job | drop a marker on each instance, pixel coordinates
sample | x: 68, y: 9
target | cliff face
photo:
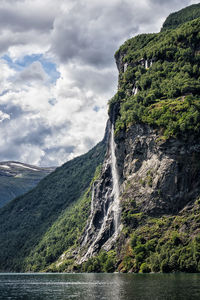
x: 162, y: 177
x: 156, y: 179
x: 103, y: 224
x: 137, y: 207
x: 150, y: 179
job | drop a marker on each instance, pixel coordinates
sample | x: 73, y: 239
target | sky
x: 57, y: 71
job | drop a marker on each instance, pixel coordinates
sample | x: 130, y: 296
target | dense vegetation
x: 63, y: 236
x: 184, y: 15
x: 103, y: 262
x: 155, y: 244
x: 41, y: 230
x: 164, y: 68
x: 162, y: 244
x: 168, y: 89
x: 25, y: 220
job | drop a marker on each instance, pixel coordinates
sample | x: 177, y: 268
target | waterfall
x: 111, y: 214
x: 146, y: 64
x: 92, y: 201
x: 135, y: 91
x: 91, y: 211
x: 125, y: 67
x: 115, y: 178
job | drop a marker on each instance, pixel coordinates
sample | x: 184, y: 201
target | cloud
x: 55, y: 133
x: 3, y: 116
x: 90, y: 32
x: 32, y: 74
x: 58, y: 71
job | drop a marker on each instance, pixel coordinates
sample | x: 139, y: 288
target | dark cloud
x: 90, y: 33
x: 14, y: 111
x: 88, y: 142
x: 170, y: 3
x: 88, y: 78
x: 66, y: 149
x: 36, y: 136
x: 21, y: 20
x: 52, y: 101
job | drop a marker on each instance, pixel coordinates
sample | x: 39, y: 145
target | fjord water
x: 99, y: 286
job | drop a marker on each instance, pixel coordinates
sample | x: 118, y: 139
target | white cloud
x: 3, y: 116
x: 47, y: 122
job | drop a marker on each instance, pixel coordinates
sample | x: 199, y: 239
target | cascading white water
x: 92, y: 201
x: 115, y: 178
x: 125, y: 67
x: 146, y: 64
x: 92, y: 209
x: 135, y: 91
x: 114, y: 207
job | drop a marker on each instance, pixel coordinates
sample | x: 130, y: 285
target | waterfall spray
x: 112, y: 212
x: 115, y: 178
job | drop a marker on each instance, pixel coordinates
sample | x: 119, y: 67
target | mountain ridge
x: 17, y: 178
x: 182, y: 16
x: 131, y: 204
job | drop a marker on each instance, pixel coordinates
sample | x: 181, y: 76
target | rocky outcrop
x: 160, y: 176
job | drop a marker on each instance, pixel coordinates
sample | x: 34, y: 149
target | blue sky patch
x: 48, y: 66
x: 96, y: 108
x: 52, y: 101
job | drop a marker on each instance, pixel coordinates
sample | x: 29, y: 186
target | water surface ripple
x: 181, y: 286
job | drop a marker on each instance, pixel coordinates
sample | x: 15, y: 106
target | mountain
x: 25, y: 220
x: 184, y: 15
x: 132, y: 203
x: 18, y: 178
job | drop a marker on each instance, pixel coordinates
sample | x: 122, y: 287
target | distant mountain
x: 132, y: 203
x: 25, y: 220
x: 18, y: 178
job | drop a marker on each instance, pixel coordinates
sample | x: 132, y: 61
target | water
x: 115, y: 178
x: 99, y: 286
x: 90, y: 225
x: 113, y: 209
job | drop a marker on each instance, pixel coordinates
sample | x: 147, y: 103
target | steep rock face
x: 161, y: 177
x: 155, y: 115
x: 104, y: 223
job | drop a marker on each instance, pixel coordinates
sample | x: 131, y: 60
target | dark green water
x: 99, y: 286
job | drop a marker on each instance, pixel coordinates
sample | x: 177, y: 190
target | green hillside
x: 165, y: 70
x: 156, y: 112
x: 168, y: 90
x: 25, y: 220
x: 63, y: 236
x: 184, y: 15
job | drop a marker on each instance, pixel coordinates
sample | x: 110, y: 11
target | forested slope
x: 25, y: 220
x: 184, y: 15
